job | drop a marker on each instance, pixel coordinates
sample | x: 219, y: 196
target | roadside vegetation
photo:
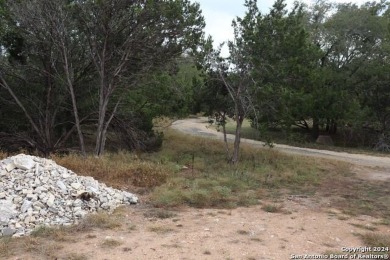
x: 299, y: 137
x: 192, y: 171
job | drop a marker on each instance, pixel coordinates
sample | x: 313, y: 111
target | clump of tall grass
x: 117, y: 169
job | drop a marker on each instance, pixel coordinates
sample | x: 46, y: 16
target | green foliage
x: 128, y: 66
x: 321, y: 64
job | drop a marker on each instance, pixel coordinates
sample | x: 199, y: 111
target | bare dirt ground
x: 303, y: 225
x: 306, y: 227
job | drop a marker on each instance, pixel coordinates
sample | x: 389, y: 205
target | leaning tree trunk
x: 74, y: 104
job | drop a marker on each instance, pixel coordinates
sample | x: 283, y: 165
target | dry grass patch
x: 101, y: 221
x: 366, y: 227
x: 272, y: 208
x: 110, y: 243
x: 206, y: 252
x: 76, y: 256
x: 160, y: 229
x: 361, y: 197
x: 45, y: 247
x: 376, y: 240
x: 159, y: 214
x: 41, y: 248
x: 5, y: 247
x: 59, y: 234
x: 243, y: 232
x: 3, y: 155
x: 116, y: 169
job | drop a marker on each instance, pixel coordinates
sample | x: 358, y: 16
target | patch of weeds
x: 160, y: 229
x: 361, y: 197
x: 169, y: 195
x: 256, y: 239
x: 110, y: 243
x: 76, y: 256
x: 159, y: 214
x: 229, y: 213
x: 376, y: 240
x: 60, y: 234
x: 385, y: 221
x: 272, y: 208
x: 147, y: 174
x: 367, y: 227
x: 342, y: 217
x: 172, y: 246
x: 242, y: 232
x: 5, y: 246
x: 31, y: 244
x: 39, y: 247
x: 126, y: 249
x: 90, y: 236
x: 99, y: 220
x: 131, y: 227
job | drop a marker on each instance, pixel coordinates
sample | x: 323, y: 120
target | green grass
x: 212, y: 182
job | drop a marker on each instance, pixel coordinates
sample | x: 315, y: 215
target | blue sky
x: 220, y: 13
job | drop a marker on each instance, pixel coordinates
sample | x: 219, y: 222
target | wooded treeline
x: 323, y: 68
x: 97, y: 68
x: 71, y: 70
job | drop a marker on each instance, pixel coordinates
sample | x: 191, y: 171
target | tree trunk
x: 103, y: 103
x: 74, y: 104
x: 223, y: 120
x: 237, y: 139
x: 47, y: 126
x: 100, y: 134
x: 315, y: 131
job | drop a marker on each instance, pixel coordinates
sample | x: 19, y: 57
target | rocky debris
x: 36, y: 191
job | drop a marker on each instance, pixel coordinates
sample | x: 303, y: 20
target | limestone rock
x: 24, y: 162
x: 35, y: 191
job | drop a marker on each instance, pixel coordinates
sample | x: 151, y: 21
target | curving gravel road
x: 366, y: 166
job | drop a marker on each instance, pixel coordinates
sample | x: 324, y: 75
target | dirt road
x: 365, y: 166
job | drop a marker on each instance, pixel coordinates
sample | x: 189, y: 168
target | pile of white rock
x: 35, y: 191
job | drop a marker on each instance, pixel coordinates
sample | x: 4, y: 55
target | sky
x: 220, y: 13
